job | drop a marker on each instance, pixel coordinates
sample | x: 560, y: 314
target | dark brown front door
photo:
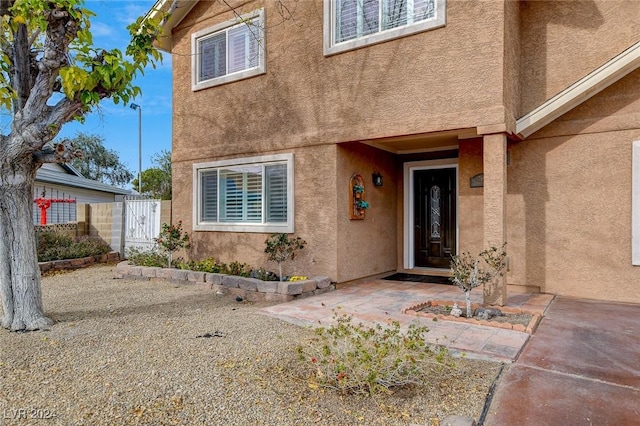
x: 434, y: 217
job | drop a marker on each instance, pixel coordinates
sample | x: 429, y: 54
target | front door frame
x: 408, y: 235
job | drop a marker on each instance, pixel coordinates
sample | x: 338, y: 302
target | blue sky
x: 118, y: 124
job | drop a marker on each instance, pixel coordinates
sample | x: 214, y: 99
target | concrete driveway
x: 581, y: 367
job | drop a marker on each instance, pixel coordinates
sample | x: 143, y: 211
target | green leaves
x: 98, y: 162
x: 280, y: 247
x: 85, y: 73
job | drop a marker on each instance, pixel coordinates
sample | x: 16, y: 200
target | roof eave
x: 593, y: 83
x: 177, y: 10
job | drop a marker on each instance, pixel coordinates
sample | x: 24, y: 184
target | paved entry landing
x: 382, y: 300
x: 581, y: 367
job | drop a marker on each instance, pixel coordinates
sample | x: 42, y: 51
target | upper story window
x: 349, y: 24
x: 229, y: 51
x: 253, y: 194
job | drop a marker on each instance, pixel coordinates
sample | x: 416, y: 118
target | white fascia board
x: 594, y: 82
x: 177, y: 10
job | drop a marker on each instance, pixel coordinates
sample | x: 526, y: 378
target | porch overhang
x: 411, y: 144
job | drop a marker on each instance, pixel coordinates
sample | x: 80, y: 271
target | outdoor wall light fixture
x: 377, y: 179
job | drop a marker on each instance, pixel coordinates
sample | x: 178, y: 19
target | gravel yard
x: 127, y: 352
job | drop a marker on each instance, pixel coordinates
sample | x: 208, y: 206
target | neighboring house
x: 62, y: 181
x: 489, y: 121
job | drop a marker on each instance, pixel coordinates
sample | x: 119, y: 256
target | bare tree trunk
x: 19, y: 271
x: 467, y: 299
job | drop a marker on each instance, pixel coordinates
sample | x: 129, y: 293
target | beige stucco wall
x: 366, y: 247
x: 562, y: 41
x: 416, y: 84
x: 569, y: 199
x: 315, y: 214
x: 470, y: 200
x: 412, y: 85
x: 568, y: 189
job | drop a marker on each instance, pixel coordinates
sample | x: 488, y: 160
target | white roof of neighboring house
x: 71, y: 177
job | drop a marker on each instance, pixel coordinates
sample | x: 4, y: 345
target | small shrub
x: 213, y: 266
x: 467, y: 273
x: 54, y: 246
x: 208, y: 265
x: 279, y: 247
x: 263, y: 274
x: 153, y: 257
x: 360, y: 359
x: 237, y: 268
x: 172, y: 238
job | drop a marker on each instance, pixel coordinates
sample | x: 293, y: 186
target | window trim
x: 635, y: 203
x: 332, y: 48
x: 286, y: 227
x: 225, y: 26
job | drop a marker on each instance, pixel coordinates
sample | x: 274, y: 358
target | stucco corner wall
x: 470, y: 200
x: 366, y: 247
x: 569, y: 205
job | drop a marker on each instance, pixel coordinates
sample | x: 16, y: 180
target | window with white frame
x: 350, y: 24
x: 245, y: 195
x: 229, y: 51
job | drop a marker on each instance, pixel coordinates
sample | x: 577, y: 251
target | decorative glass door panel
x: 434, y: 217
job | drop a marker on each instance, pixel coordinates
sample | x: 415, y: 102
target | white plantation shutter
x: 230, y: 196
x: 276, y: 192
x: 232, y: 47
x: 209, y: 196
x: 213, y: 56
x: 243, y: 51
x: 356, y: 18
x: 347, y: 20
x: 370, y: 17
x: 359, y: 18
x: 252, y: 195
x: 423, y: 9
x: 394, y: 13
x: 241, y: 197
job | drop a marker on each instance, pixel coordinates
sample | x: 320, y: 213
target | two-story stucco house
x: 488, y: 121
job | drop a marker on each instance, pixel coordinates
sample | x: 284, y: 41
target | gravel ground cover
x: 127, y: 352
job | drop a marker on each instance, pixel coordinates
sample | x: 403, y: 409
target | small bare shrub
x: 468, y: 273
x: 361, y: 359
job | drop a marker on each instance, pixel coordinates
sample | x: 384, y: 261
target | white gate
x: 142, y: 223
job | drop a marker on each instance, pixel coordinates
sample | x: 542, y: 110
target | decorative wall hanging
x: 357, y: 203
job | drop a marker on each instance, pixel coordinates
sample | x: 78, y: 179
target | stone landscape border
x: 251, y: 289
x: 83, y: 262
x: 530, y: 328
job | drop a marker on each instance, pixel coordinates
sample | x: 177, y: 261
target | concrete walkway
x: 382, y: 300
x: 581, y: 367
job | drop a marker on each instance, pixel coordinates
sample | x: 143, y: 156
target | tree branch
x: 63, y: 152
x: 5, y: 5
x: 61, y: 29
x: 21, y: 67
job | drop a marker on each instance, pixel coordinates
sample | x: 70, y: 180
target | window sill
x: 257, y: 228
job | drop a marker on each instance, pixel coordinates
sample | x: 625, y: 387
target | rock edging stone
x: 82, y: 262
x: 251, y: 289
x: 529, y: 329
